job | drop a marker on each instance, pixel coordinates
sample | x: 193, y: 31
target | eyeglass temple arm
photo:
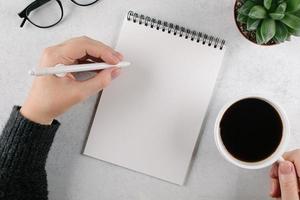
x: 23, y: 22
x: 34, y: 5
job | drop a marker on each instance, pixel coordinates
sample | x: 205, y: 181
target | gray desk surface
x: 247, y: 68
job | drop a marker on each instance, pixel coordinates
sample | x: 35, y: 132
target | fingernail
x: 115, y: 73
x: 118, y: 55
x: 285, y: 168
x: 114, y: 57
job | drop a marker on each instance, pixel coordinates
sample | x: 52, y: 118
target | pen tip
x: 126, y: 63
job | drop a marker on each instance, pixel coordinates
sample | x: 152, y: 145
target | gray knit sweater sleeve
x: 24, y: 147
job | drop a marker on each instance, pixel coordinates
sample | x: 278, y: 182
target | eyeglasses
x: 47, y: 13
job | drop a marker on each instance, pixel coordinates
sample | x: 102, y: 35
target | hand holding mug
x: 285, y: 177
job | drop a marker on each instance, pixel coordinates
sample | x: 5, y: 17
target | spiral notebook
x: 149, y: 118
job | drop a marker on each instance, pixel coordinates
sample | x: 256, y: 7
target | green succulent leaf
x: 282, y: 32
x: 259, y: 38
x: 252, y: 24
x: 242, y: 18
x: 294, y: 32
x: 267, y: 29
x: 267, y: 4
x: 291, y: 21
x: 281, y: 8
x: 276, y: 16
x: 280, y: 1
x: 258, y: 12
x: 293, y: 5
x: 245, y: 9
x: 279, y: 12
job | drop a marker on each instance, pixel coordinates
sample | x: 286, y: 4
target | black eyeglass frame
x: 38, y: 3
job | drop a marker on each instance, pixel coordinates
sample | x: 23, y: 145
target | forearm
x: 24, y: 147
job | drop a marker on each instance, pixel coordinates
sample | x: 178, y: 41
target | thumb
x: 288, y: 181
x: 100, y: 81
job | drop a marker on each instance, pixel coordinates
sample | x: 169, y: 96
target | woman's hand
x: 285, y: 177
x: 50, y: 96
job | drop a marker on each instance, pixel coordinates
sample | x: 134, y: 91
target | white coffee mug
x: 276, y: 156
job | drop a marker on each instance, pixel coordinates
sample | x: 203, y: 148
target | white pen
x: 61, y: 70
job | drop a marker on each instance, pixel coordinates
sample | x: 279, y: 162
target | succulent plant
x: 270, y: 20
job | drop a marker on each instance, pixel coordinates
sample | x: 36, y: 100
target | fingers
x: 274, y: 182
x: 274, y: 171
x: 100, y: 81
x: 72, y: 50
x: 288, y: 181
x: 275, y: 188
x: 294, y: 157
x: 79, y: 47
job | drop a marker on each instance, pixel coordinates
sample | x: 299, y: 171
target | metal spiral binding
x: 175, y: 29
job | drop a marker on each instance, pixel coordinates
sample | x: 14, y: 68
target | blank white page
x: 149, y: 118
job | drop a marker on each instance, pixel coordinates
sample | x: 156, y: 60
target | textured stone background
x: 268, y: 71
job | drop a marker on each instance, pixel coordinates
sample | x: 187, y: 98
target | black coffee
x: 251, y: 130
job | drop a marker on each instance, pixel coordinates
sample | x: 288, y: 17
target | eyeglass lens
x: 46, y: 15
x: 84, y: 2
